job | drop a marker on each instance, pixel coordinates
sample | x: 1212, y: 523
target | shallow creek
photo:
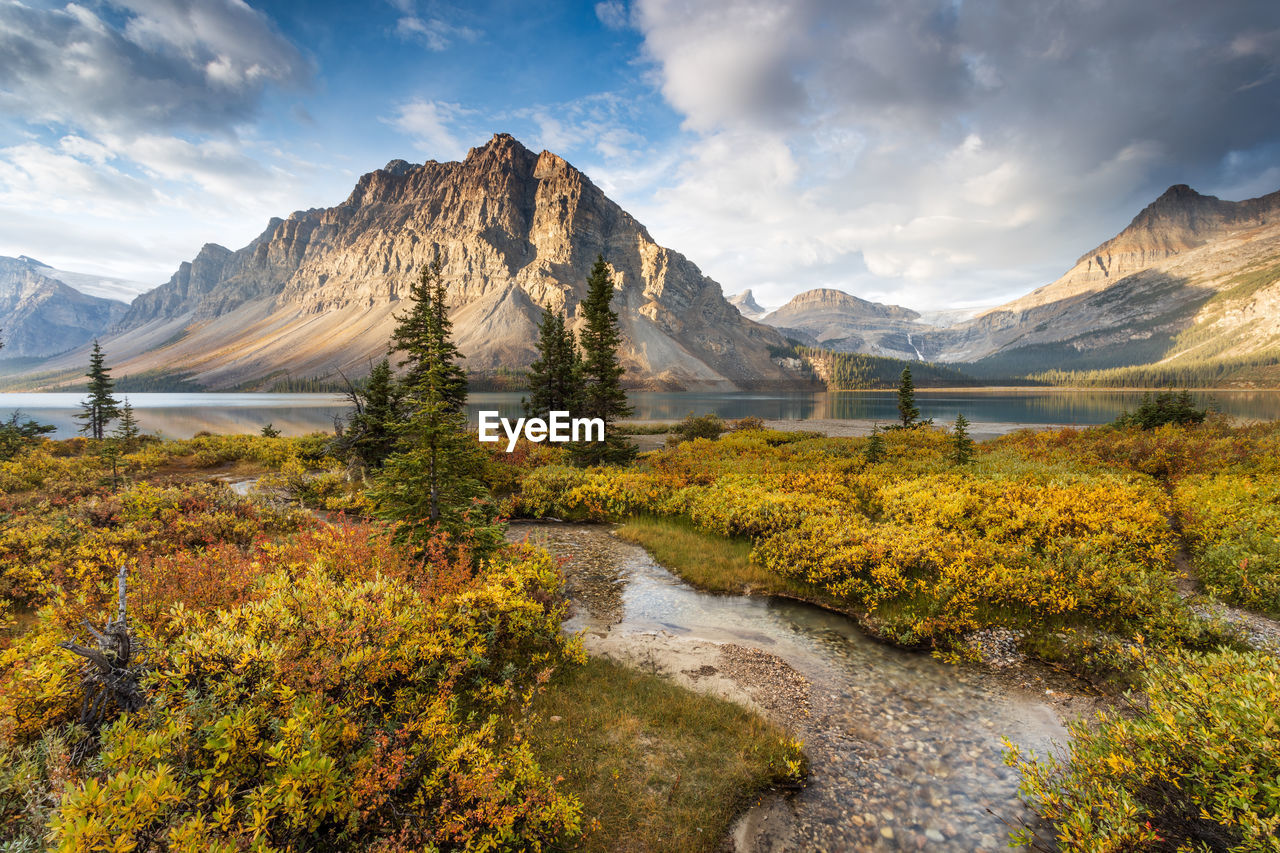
x: 905, y: 752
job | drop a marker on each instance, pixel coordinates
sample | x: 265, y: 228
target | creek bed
x: 905, y: 752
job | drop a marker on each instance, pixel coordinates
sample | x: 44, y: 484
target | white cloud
x: 432, y: 125
x: 433, y: 31
x: 612, y: 13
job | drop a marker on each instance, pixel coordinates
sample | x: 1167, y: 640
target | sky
x: 935, y: 154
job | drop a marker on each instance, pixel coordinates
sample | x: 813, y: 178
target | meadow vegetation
x: 1067, y: 539
x: 313, y: 685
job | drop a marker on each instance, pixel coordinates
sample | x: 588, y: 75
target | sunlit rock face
x: 316, y: 293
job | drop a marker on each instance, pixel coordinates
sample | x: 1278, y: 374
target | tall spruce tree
x: 433, y: 480
x: 99, y: 408
x: 423, y: 336
x: 602, y: 394
x: 907, y: 409
x: 555, y: 377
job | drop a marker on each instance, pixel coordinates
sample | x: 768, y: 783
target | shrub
x: 1196, y: 769
x: 1166, y: 407
x: 16, y: 434
x: 703, y: 426
x: 748, y: 424
x: 1232, y: 523
x: 329, y: 709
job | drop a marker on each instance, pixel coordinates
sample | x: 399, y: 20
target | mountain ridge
x: 1191, y: 276
x: 41, y: 316
x: 315, y: 293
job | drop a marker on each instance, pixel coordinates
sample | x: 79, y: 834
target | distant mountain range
x: 314, y: 296
x: 1191, y: 278
x: 41, y: 316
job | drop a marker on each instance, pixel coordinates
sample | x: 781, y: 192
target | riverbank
x: 904, y: 751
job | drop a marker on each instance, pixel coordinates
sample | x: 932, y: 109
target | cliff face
x: 40, y: 316
x: 316, y: 292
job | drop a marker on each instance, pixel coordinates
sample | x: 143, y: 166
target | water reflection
x: 182, y: 415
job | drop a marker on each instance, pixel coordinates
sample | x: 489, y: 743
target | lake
x: 183, y: 415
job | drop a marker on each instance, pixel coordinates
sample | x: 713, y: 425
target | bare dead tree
x: 112, y: 671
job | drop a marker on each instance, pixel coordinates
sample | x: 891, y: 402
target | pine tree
x: 874, y: 451
x: 423, y: 335
x: 602, y: 394
x: 555, y: 377
x: 371, y: 430
x: 961, y: 443
x: 99, y: 408
x: 127, y: 431
x: 433, y: 480
x: 907, y: 409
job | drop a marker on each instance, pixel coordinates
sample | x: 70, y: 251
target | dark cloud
x: 142, y: 65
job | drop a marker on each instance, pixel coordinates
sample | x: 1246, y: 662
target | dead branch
x: 112, y: 671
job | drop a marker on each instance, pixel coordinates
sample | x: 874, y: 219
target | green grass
x: 705, y: 560
x: 657, y: 767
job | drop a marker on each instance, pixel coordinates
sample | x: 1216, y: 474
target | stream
x: 905, y: 752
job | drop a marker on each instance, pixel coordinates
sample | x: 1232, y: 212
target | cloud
x: 135, y: 206
x: 432, y: 126
x: 142, y: 65
x: 430, y: 30
x: 928, y: 151
x: 613, y: 14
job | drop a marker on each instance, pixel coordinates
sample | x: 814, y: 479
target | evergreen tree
x: 874, y: 451
x: 371, y: 431
x: 424, y: 336
x: 907, y: 409
x: 127, y: 431
x: 99, y: 408
x: 433, y: 480
x: 602, y: 394
x: 555, y: 377
x: 961, y: 443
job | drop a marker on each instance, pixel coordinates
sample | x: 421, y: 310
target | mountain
x: 40, y: 316
x: 838, y: 321
x: 316, y: 293
x: 747, y: 306
x: 91, y: 284
x: 1192, y: 277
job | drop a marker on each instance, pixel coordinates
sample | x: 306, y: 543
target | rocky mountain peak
x: 1180, y: 220
x: 746, y: 303
x: 399, y: 167
x: 515, y: 231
